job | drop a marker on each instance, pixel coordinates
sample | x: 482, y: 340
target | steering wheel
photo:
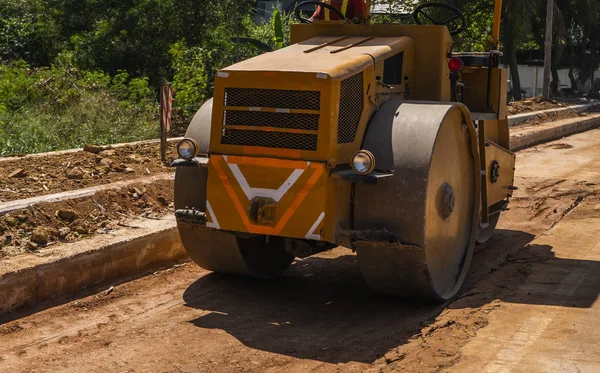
x: 317, y: 3
x: 422, y: 10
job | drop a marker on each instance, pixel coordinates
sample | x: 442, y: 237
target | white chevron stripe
x: 310, y: 235
x: 275, y: 194
x: 214, y: 223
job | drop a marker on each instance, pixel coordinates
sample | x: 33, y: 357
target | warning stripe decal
x: 318, y: 171
x: 311, y: 232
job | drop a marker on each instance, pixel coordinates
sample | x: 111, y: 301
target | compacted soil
x: 529, y: 303
x: 30, y: 176
x: 537, y: 104
x: 44, y: 224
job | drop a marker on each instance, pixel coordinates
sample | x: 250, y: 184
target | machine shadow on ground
x: 322, y: 310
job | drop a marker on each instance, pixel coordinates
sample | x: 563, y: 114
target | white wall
x: 532, y: 79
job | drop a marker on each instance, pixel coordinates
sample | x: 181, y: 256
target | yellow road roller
x: 376, y: 137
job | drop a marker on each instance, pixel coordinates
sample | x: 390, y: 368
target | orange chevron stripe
x: 229, y: 188
x: 300, y: 197
x: 319, y: 169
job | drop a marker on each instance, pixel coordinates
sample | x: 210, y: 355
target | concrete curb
x: 554, y: 132
x: 6, y: 207
x: 51, y: 277
x: 77, y: 150
x: 513, y: 120
x: 158, y: 244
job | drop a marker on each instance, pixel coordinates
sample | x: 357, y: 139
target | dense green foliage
x: 76, y: 71
x: 56, y: 107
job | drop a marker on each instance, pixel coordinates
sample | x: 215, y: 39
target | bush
x: 194, y: 67
x: 102, y: 87
x: 62, y: 107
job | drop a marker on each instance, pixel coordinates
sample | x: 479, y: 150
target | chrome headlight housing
x: 187, y: 149
x: 363, y: 162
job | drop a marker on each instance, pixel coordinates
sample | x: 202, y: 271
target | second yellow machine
x: 375, y: 137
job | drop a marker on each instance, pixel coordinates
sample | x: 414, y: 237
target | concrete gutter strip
x: 65, y: 269
x: 6, y: 207
x: 73, y: 151
x: 535, y: 135
x: 513, y: 120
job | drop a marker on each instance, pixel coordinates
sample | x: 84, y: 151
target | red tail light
x: 455, y: 64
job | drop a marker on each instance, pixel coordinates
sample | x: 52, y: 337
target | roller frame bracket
x: 194, y: 162
x: 352, y: 177
x: 191, y: 216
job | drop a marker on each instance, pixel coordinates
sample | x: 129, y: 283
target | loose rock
x: 22, y: 217
x: 80, y: 229
x: 106, y: 162
x: 120, y: 168
x: 30, y: 246
x: 75, y: 174
x: 139, y: 192
x: 64, y: 232
x: 131, y: 158
x: 11, y: 221
x: 94, y: 148
x: 107, y: 153
x: 68, y: 215
x: 18, y: 173
x: 52, y: 233
x: 39, y: 236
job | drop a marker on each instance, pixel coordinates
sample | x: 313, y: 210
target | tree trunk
x: 589, y: 62
x: 572, y: 79
x: 548, y: 48
x: 572, y: 54
x: 511, y: 55
x: 555, y: 81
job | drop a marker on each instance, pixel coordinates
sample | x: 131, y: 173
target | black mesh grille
x: 273, y: 98
x: 269, y: 139
x: 267, y: 119
x: 351, y: 108
x: 392, y: 69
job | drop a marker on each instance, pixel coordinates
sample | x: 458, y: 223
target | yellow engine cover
x: 267, y: 196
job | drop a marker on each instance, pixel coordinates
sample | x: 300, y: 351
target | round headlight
x: 363, y: 162
x: 187, y: 149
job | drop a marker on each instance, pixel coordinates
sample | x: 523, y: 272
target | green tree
x: 28, y: 32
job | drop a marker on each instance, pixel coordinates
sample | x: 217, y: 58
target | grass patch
x: 61, y: 107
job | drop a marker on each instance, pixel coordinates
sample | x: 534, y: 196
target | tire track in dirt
x: 501, y: 266
x: 320, y: 316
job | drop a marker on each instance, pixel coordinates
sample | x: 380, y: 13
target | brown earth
x: 553, y: 117
x: 320, y: 316
x: 536, y: 104
x: 44, y: 224
x: 26, y: 177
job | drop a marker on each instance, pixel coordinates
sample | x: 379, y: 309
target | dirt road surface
x: 529, y: 303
